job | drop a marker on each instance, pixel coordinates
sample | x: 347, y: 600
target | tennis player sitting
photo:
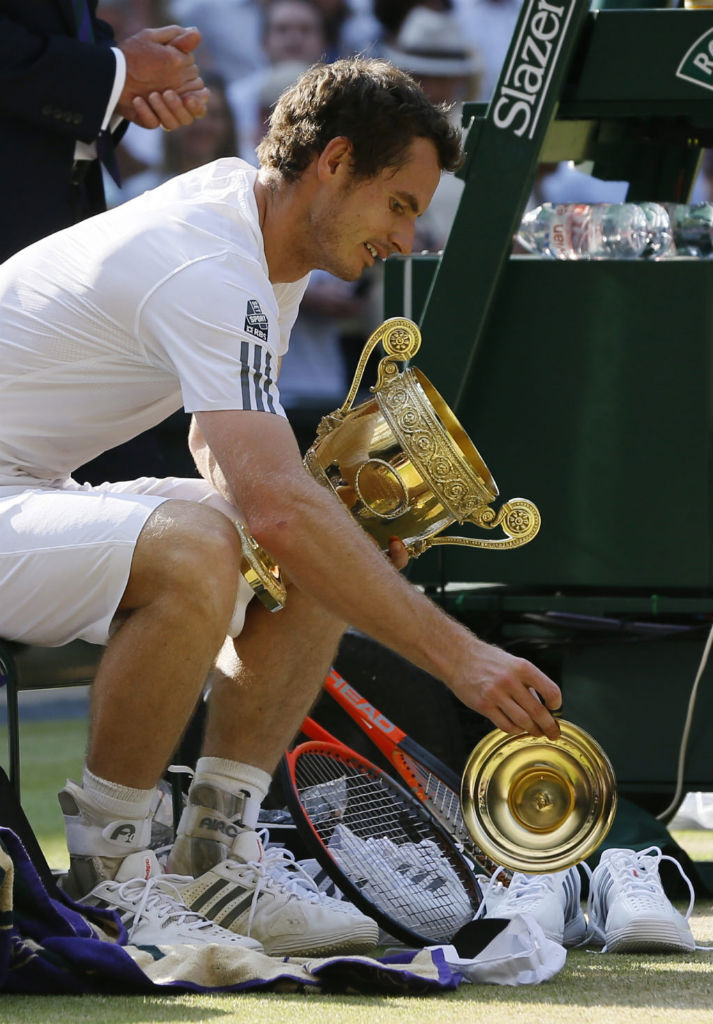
x: 185, y: 297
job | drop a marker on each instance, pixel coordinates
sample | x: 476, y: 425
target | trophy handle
x: 401, y: 340
x: 519, y: 518
x: 261, y: 572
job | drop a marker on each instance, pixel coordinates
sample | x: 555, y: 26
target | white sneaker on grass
x: 152, y: 911
x: 554, y: 900
x: 261, y: 894
x: 629, y: 911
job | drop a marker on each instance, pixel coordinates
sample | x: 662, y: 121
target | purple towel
x: 48, y: 947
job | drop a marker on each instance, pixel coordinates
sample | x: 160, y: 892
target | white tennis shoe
x: 152, y: 911
x: 263, y: 894
x: 554, y: 900
x: 629, y: 911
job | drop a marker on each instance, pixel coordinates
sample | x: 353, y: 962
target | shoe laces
x: 160, y: 896
x: 637, y: 877
x: 277, y: 871
x: 285, y: 870
x: 524, y: 891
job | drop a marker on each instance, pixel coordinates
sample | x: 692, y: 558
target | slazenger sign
x: 522, y: 88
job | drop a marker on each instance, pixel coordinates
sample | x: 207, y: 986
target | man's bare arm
x: 322, y: 551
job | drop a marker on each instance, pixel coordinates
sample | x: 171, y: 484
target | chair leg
x: 8, y: 675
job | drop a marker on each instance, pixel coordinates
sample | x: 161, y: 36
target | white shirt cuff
x: 88, y: 150
x: 110, y: 118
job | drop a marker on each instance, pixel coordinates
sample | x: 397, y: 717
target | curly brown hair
x: 378, y: 107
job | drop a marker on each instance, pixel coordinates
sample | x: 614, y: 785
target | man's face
x: 294, y: 32
x: 354, y: 224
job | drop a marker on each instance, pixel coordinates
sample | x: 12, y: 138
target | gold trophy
x: 402, y: 463
x: 538, y: 805
x: 403, y: 466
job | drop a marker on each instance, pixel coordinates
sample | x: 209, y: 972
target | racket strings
x: 444, y: 804
x: 436, y: 793
x: 385, y: 846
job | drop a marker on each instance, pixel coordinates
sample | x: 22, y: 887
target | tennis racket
x: 380, y: 846
x: 429, y: 779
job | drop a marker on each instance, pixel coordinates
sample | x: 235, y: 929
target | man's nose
x: 402, y: 238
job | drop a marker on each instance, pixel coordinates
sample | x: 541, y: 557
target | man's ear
x: 335, y: 158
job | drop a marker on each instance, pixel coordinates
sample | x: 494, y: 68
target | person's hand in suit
x: 163, y: 84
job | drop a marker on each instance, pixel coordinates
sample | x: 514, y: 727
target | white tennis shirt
x: 109, y: 326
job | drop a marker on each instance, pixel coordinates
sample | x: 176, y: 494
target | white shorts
x: 66, y: 551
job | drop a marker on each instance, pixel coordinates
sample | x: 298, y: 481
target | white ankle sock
x: 114, y: 800
x: 233, y: 776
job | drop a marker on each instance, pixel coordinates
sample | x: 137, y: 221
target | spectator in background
x: 232, y: 34
x: 351, y: 28
x: 314, y: 381
x: 391, y: 15
x: 127, y: 17
x: 565, y: 183
x: 489, y: 25
x: 64, y: 86
x: 360, y: 31
x: 293, y: 31
x: 212, y: 137
x: 432, y: 47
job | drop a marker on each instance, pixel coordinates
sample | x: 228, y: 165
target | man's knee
x: 189, y: 551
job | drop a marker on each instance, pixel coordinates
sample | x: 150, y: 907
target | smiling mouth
x: 372, y: 250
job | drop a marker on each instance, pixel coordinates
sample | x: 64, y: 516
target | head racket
x: 429, y: 779
x: 381, y: 847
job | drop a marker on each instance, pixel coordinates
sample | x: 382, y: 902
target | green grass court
x: 591, y: 989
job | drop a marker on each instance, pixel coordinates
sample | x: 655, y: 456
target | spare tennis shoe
x: 629, y: 911
x: 263, y: 894
x: 151, y: 909
x: 554, y: 900
x: 411, y: 882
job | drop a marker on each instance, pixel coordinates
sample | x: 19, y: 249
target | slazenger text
x: 518, y: 101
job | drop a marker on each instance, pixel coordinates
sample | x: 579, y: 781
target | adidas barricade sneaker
x: 150, y: 907
x: 260, y: 894
x: 629, y: 911
x: 554, y: 900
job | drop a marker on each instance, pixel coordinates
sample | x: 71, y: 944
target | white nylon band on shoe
x: 249, y: 811
x: 116, y: 839
x: 195, y: 818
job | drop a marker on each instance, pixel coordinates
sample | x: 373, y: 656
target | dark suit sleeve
x: 55, y: 82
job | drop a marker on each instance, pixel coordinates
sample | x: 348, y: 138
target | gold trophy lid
x: 538, y: 805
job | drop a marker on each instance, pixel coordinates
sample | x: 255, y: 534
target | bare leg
x: 259, y: 696
x: 178, y: 604
x: 282, y: 660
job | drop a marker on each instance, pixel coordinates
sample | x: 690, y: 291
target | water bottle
x: 582, y: 231
x: 692, y: 228
x: 660, y: 237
